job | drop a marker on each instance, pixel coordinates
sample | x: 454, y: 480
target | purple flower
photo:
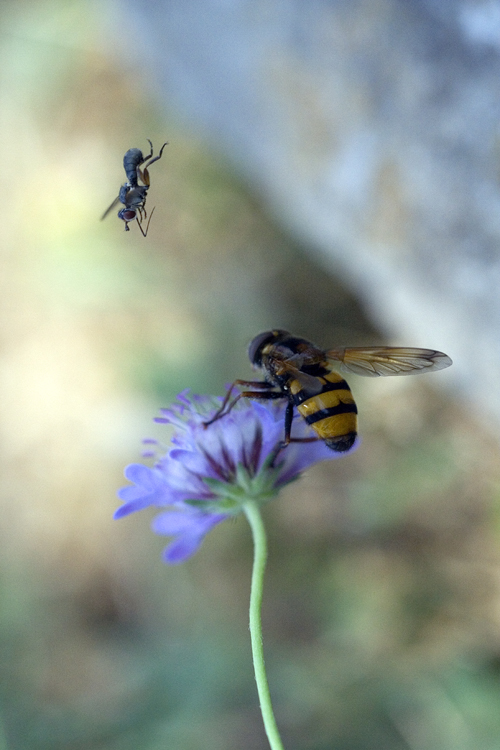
x: 209, y: 472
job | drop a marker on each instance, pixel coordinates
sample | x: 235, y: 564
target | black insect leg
x: 144, y: 233
x: 225, y: 409
x: 144, y: 174
x: 156, y: 157
x: 288, y: 424
x: 150, y: 153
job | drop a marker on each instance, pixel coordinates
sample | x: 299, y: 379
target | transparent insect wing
x: 135, y: 196
x: 122, y: 195
x: 384, y: 361
x: 111, y: 207
x: 309, y: 383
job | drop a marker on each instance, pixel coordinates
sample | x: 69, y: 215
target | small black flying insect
x: 133, y: 194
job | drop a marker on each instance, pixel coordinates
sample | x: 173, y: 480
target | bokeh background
x: 333, y: 169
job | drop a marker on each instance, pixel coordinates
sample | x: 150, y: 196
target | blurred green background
x: 382, y: 600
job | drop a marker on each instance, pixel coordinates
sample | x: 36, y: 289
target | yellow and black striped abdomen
x: 331, y: 413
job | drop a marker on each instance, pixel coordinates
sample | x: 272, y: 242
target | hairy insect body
x: 304, y: 376
x: 321, y: 395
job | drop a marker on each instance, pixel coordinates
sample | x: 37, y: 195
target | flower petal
x: 131, y: 507
x: 190, y: 530
x: 174, y: 522
x: 141, y: 475
x: 181, y: 549
x: 235, y: 451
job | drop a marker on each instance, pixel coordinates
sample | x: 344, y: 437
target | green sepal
x: 230, y: 497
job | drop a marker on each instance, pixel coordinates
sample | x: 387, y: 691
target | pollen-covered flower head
x: 210, y: 471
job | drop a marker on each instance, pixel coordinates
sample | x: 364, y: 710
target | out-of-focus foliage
x: 381, y: 622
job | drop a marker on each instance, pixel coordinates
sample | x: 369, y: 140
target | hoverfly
x: 132, y: 194
x: 302, y: 374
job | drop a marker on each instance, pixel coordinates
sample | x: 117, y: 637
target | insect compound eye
x: 127, y: 214
x: 259, y: 342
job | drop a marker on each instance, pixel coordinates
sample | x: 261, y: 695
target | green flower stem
x: 252, y: 512
x: 3, y: 737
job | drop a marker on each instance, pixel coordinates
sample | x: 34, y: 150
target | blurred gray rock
x: 371, y: 128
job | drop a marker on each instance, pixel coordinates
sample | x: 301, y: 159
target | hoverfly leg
x: 257, y: 395
x: 221, y: 412
x: 225, y: 409
x: 288, y: 437
x: 288, y: 429
x: 288, y: 424
x: 283, y: 443
x: 218, y: 414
